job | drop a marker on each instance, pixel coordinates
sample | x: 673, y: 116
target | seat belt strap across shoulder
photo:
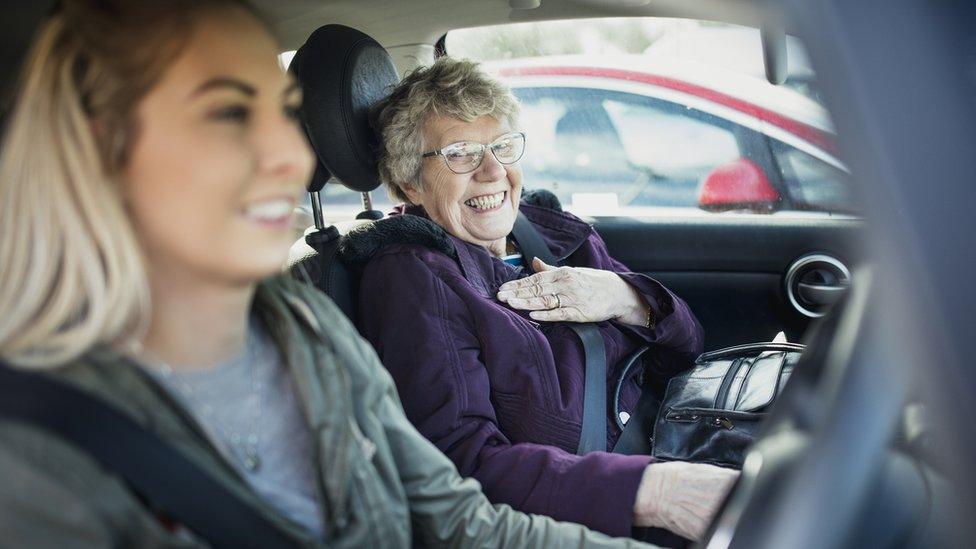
x: 153, y: 468
x: 593, y: 435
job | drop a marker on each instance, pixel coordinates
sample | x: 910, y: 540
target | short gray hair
x: 449, y: 87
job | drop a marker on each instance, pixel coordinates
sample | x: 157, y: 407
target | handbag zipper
x: 716, y: 421
x: 715, y: 418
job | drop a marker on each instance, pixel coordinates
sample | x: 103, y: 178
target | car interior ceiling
x: 409, y: 30
x: 394, y: 23
x: 722, y: 260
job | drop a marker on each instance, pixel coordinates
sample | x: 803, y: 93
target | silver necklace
x: 245, y: 445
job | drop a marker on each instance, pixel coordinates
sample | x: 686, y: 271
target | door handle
x: 815, y: 282
x: 820, y: 294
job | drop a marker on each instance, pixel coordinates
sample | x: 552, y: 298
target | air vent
x: 814, y: 282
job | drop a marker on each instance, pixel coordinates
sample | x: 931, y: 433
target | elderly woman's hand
x: 682, y: 497
x: 575, y: 294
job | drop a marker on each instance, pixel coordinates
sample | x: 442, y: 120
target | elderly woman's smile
x: 478, y: 206
x: 486, y: 202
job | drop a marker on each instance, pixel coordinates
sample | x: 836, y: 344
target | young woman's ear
x: 112, y: 143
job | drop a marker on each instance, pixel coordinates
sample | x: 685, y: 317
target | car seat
x: 342, y: 72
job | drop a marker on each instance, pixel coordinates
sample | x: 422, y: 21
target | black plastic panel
x: 730, y: 269
x: 737, y: 243
x: 736, y: 308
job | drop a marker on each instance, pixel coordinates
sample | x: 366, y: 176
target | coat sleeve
x: 37, y: 511
x: 422, y: 332
x: 448, y: 510
x: 675, y: 327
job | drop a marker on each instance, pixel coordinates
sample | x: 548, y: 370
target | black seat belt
x: 593, y: 436
x: 153, y: 469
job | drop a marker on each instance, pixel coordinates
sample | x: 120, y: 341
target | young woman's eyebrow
x: 225, y: 82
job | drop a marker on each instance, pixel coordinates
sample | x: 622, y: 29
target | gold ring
x: 559, y: 303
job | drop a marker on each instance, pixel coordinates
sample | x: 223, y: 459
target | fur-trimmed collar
x: 359, y: 246
x: 542, y: 198
x: 410, y: 225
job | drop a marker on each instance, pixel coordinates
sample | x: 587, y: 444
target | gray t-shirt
x: 250, y: 404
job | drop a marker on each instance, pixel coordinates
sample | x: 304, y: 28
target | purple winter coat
x: 500, y: 394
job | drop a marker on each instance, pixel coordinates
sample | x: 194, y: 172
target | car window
x: 670, y: 139
x: 814, y: 184
x: 644, y: 152
x: 637, y: 113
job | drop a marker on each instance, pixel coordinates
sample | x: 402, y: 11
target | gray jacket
x: 382, y: 483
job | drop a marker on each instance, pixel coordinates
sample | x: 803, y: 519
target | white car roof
x: 743, y: 87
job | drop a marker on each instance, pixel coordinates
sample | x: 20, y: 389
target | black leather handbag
x: 712, y: 412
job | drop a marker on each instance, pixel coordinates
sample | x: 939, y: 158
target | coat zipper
x: 333, y: 509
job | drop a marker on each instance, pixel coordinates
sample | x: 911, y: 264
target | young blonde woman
x: 147, y: 180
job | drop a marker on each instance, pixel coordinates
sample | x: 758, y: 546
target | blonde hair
x: 449, y: 87
x: 72, y: 274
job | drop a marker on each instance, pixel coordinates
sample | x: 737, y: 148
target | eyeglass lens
x: 466, y: 156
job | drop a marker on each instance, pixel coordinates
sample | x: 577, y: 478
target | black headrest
x: 342, y: 73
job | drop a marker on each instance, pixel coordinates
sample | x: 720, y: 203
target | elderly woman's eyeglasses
x: 465, y: 156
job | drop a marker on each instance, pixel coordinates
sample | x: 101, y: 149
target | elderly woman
x: 480, y: 348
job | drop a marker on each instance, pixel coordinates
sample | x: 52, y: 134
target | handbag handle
x: 748, y: 348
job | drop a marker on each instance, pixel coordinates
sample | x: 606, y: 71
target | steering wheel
x: 807, y: 480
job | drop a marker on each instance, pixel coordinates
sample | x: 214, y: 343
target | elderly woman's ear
x: 413, y: 196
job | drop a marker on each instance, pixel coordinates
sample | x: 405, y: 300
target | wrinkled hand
x: 574, y: 294
x: 681, y: 497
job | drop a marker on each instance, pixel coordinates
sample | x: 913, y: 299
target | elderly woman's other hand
x: 575, y: 294
x: 682, y: 497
